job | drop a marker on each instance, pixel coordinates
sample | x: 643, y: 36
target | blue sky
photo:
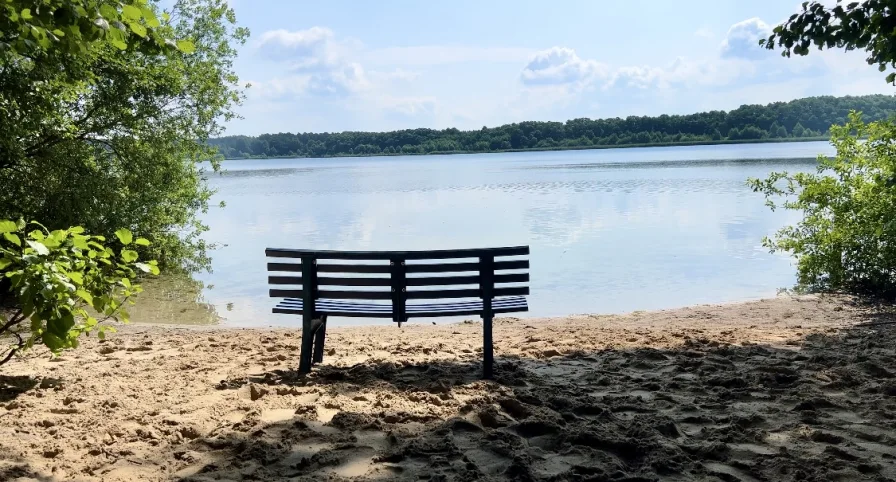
x: 364, y: 65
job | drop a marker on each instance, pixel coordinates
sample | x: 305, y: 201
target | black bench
x: 476, y: 281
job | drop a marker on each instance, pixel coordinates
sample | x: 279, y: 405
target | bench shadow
x: 820, y: 407
x: 19, y: 470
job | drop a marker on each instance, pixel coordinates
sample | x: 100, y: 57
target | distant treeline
x: 801, y: 118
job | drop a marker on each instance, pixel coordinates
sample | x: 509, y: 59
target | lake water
x: 610, y: 230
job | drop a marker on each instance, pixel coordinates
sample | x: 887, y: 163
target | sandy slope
x: 785, y: 389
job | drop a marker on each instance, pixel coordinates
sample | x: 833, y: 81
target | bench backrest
x: 399, y: 276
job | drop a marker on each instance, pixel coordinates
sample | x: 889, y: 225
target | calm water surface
x: 610, y: 230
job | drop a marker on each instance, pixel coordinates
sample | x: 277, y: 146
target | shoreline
x: 549, y: 149
x: 789, y: 388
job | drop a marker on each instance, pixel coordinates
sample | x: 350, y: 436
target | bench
x: 397, y: 284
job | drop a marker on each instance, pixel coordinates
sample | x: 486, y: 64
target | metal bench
x: 389, y: 284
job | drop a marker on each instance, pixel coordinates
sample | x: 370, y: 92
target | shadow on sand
x: 822, y: 408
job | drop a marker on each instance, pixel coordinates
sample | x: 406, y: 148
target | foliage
x: 749, y: 122
x: 59, y: 281
x: 867, y: 25
x: 847, y: 237
x: 31, y: 27
x: 103, y: 137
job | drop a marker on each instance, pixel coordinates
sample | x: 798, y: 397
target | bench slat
x: 467, y: 293
x: 385, y: 255
x: 353, y: 268
x: 331, y: 281
x: 355, y: 295
x: 340, y: 308
x: 452, y: 267
x: 284, y: 280
x: 466, y: 280
x: 289, y: 267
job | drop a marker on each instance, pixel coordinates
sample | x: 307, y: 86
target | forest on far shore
x: 810, y: 117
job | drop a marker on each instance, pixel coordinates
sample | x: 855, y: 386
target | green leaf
x: 26, y: 14
x: 147, y: 268
x: 53, y: 342
x: 5, y: 262
x: 77, y: 278
x: 124, y: 236
x: 131, y: 12
x: 38, y: 247
x: 142, y: 242
x: 108, y: 11
x: 76, y: 230
x: 12, y: 238
x: 126, y: 282
x: 80, y: 242
x: 138, y: 29
x: 7, y: 226
x: 84, y: 295
x: 129, y: 256
x: 186, y: 46
x: 150, y: 17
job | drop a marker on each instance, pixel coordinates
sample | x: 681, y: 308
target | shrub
x: 846, y: 240
x: 62, y: 284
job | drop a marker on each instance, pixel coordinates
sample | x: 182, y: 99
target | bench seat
x: 510, y: 304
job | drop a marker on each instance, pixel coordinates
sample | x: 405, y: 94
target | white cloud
x: 279, y: 87
x: 306, y: 47
x: 341, y: 81
x: 320, y: 59
x: 559, y: 66
x: 742, y: 40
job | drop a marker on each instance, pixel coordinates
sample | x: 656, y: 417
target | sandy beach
x: 786, y: 389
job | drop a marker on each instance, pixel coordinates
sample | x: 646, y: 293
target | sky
x: 325, y: 66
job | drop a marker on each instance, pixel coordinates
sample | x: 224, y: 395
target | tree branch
x: 13, y: 350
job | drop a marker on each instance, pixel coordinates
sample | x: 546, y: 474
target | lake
x: 610, y: 230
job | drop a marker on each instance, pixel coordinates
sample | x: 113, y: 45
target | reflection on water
x: 610, y: 231
x: 173, y: 299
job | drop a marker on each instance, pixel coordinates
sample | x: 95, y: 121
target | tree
x: 798, y: 130
x: 847, y: 237
x: 866, y: 25
x: 816, y: 113
x: 106, y: 137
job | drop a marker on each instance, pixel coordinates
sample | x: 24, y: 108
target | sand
x: 787, y: 389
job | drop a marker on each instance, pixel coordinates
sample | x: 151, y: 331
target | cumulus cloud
x: 305, y: 47
x: 742, y: 40
x: 558, y: 66
x: 279, y: 87
x: 341, y: 81
x: 318, y: 57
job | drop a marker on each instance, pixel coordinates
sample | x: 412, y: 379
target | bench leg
x: 307, y: 342
x: 319, y: 338
x: 488, y: 356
